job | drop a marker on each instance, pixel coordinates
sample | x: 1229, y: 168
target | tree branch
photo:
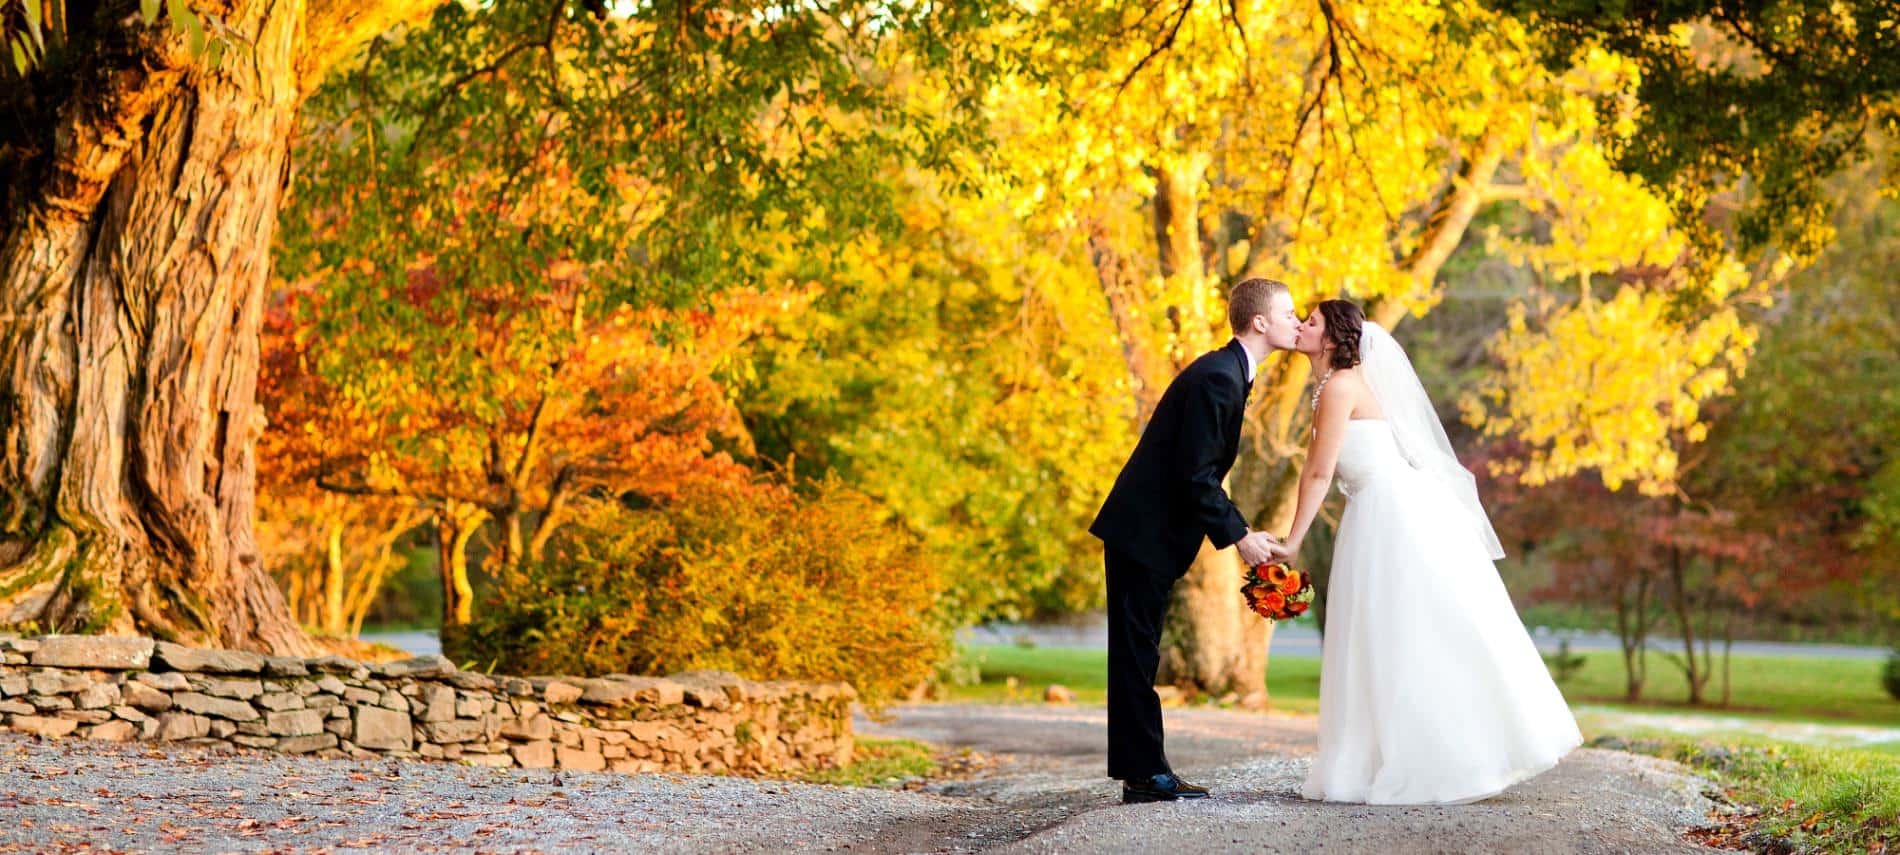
x: 1167, y: 42
x: 1445, y: 228
x: 324, y: 482
x: 564, y: 488
x: 334, y: 28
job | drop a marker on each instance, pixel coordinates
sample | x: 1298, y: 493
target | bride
x: 1431, y: 692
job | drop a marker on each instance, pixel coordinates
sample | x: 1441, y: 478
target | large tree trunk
x: 1212, y: 642
x: 134, y: 285
x: 141, y: 195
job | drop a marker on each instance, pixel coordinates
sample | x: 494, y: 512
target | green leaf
x: 20, y: 62
x: 33, y: 12
x: 194, y: 29
x: 148, y: 10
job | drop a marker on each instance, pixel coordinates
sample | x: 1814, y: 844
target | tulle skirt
x: 1431, y: 691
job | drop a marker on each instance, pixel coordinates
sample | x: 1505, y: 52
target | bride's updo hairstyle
x: 1344, y: 324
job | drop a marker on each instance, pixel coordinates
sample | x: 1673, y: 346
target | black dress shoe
x: 1164, y: 787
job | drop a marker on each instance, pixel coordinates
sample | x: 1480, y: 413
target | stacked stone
x: 133, y: 688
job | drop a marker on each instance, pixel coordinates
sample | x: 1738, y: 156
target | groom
x: 1166, y: 500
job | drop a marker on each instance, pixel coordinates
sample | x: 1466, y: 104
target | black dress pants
x: 1137, y: 603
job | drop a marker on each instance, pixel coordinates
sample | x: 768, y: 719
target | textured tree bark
x: 134, y: 285
x: 141, y: 197
x: 1212, y: 643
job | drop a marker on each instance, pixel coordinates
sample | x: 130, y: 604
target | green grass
x: 880, y: 763
x: 1836, y: 691
x: 1013, y: 674
x: 1807, y: 798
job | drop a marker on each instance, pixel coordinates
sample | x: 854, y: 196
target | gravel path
x: 1594, y: 801
x: 1045, y: 795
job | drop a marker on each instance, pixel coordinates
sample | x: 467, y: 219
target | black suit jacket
x: 1169, y: 493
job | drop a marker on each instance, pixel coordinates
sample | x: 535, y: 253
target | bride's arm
x: 1322, y: 454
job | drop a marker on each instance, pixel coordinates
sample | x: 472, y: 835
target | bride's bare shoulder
x: 1346, y: 389
x: 1346, y: 379
x: 1343, y: 387
x: 1356, y: 393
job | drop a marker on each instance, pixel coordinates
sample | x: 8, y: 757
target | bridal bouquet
x: 1277, y: 591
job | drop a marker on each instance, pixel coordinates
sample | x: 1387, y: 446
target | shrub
x: 752, y: 579
x: 1564, y: 664
x: 1891, y: 677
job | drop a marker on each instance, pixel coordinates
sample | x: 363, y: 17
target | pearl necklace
x: 1321, y: 387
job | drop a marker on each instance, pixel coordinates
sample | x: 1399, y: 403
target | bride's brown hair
x: 1344, y: 324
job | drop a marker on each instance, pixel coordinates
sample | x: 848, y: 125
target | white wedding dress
x: 1431, y: 691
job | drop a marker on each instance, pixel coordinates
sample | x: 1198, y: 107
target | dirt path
x: 1595, y: 801
x: 1046, y: 795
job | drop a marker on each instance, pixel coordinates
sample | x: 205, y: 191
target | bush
x: 1564, y: 664
x: 750, y: 578
x: 1891, y: 677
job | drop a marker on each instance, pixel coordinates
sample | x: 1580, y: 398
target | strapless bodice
x: 1368, y: 451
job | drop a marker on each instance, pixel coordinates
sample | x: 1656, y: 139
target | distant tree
x: 143, y: 166
x: 331, y: 553
x: 1590, y: 537
x: 1804, y: 448
x: 525, y: 241
x: 1778, y: 96
x: 506, y: 420
x: 1777, y: 517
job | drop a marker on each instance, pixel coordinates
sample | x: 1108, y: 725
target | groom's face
x: 1283, y: 324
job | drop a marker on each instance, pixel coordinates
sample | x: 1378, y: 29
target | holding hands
x: 1259, y: 547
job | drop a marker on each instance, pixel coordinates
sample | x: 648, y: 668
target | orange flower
x: 1296, y: 608
x: 1292, y: 584
x: 1273, y: 601
x: 1276, y: 573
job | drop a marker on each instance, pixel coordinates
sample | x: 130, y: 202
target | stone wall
x: 132, y: 688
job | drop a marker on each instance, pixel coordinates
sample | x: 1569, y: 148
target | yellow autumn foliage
x: 1616, y: 386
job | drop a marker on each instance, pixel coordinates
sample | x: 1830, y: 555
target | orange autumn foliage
x: 753, y: 578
